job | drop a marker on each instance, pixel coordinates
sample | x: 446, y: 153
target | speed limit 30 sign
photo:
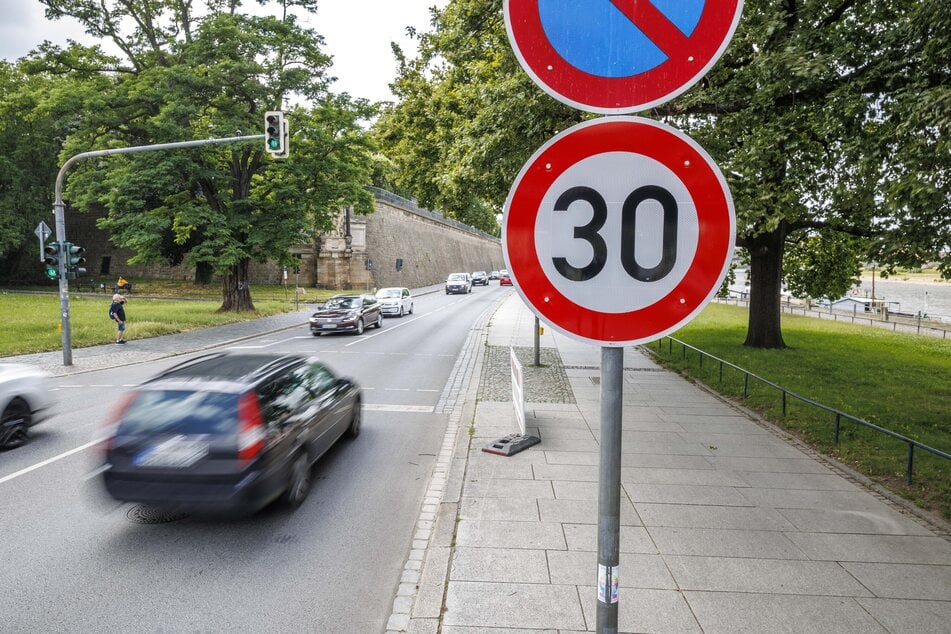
x: 618, y: 231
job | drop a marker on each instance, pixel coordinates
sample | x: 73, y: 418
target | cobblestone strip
x: 450, y: 399
x: 451, y: 402
x: 547, y: 383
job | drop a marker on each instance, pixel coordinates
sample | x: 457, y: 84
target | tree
x: 189, y: 74
x: 822, y: 265
x: 31, y: 138
x: 467, y: 117
x: 806, y: 113
x: 824, y: 116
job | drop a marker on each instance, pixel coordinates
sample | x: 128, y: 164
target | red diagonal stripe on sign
x: 654, y: 24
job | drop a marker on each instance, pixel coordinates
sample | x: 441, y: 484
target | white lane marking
x: 421, y: 409
x: 388, y: 329
x: 396, y: 389
x: 420, y: 390
x: 265, y: 344
x: 38, y: 465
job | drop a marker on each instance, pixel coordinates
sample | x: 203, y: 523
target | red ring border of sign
x: 606, y: 95
x: 716, y: 224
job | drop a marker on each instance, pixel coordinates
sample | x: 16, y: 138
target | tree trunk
x: 237, y: 289
x: 203, y: 273
x: 764, y: 329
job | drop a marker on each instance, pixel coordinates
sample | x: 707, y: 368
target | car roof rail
x: 277, y: 364
x: 185, y: 364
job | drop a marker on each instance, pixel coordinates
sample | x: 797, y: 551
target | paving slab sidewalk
x: 727, y: 523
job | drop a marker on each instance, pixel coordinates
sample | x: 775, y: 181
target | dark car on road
x: 347, y: 313
x: 227, y: 432
x: 480, y: 278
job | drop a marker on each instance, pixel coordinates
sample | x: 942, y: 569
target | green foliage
x: 467, y: 117
x: 32, y: 127
x: 822, y: 266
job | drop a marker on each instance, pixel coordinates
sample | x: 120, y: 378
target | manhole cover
x: 143, y: 514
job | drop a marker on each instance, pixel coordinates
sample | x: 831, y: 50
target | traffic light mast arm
x: 140, y: 148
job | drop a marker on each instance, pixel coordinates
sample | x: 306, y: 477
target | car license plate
x: 177, y: 452
x: 328, y: 325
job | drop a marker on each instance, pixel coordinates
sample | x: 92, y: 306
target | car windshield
x: 181, y: 411
x: 457, y: 277
x: 343, y: 302
x: 388, y: 292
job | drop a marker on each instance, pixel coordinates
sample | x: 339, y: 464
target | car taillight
x: 111, y: 424
x: 250, y: 428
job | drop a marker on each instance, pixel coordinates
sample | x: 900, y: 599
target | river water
x: 931, y: 298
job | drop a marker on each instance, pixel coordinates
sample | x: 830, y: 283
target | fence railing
x: 787, y: 394
x: 894, y: 323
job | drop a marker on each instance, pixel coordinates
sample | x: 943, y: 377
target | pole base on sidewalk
x: 511, y: 444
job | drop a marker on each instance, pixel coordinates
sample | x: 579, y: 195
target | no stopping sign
x: 618, y: 231
x: 619, y: 56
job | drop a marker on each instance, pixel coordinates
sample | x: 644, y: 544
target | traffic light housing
x: 275, y: 134
x: 51, y: 256
x: 74, y: 258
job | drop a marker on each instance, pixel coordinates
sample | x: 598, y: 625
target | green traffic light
x: 51, y: 273
x: 274, y: 144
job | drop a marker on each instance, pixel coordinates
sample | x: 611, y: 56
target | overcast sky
x: 357, y: 34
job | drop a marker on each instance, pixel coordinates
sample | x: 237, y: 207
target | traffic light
x: 275, y: 134
x: 74, y: 257
x: 52, y: 253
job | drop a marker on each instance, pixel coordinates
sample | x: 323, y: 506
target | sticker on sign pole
x: 618, y: 231
x: 619, y: 56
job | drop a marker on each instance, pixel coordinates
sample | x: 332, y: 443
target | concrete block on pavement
x: 646, y: 610
x: 903, y: 581
x: 506, y: 565
x: 737, y: 612
x: 511, y: 606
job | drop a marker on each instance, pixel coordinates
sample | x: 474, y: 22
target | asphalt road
x: 71, y: 560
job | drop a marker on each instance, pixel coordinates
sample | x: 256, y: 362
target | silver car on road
x: 25, y: 400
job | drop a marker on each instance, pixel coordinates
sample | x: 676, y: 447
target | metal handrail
x: 839, y: 415
x: 915, y: 326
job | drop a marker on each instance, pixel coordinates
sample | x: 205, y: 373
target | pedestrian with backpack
x: 117, y: 314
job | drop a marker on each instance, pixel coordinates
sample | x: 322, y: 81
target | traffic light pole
x: 59, y: 211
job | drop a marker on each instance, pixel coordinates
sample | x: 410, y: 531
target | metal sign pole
x: 538, y: 360
x: 609, y: 489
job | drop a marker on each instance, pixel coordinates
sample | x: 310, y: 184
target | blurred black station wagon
x: 228, y: 432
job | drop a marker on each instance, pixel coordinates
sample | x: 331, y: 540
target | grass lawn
x: 897, y: 381
x: 157, y: 307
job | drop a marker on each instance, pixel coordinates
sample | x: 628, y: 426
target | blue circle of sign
x: 588, y: 34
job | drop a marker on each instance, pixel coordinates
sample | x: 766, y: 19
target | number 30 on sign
x: 618, y: 231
